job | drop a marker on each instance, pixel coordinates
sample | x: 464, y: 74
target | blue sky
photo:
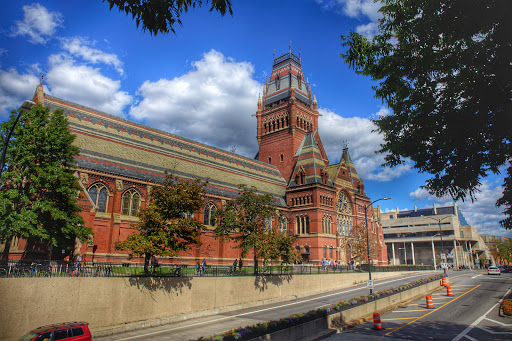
x: 203, y: 83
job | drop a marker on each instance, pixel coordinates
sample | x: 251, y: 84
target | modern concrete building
x: 422, y: 236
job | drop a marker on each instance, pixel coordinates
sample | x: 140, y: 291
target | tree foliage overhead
x: 246, y: 220
x: 166, y: 226
x: 160, y: 16
x: 444, y: 68
x: 39, y: 191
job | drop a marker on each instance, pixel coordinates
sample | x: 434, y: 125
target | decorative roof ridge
x: 145, y: 127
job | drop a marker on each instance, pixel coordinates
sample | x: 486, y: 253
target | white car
x: 493, y: 270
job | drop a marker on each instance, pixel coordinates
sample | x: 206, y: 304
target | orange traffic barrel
x: 443, y: 282
x: 376, y: 321
x: 449, y: 291
x: 430, y: 303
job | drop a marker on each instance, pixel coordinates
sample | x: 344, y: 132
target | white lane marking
x: 476, y: 276
x: 258, y: 311
x: 498, y: 322
x: 478, y: 320
x: 495, y: 333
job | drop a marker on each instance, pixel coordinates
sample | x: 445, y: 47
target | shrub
x: 507, y: 306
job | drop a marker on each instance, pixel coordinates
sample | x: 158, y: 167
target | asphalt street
x: 472, y: 313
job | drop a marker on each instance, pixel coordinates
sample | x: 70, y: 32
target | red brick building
x: 120, y: 161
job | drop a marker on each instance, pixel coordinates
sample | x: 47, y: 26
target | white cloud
x: 80, y: 47
x: 38, y: 24
x: 369, y: 30
x: 85, y: 85
x: 212, y: 103
x: 362, y: 142
x: 359, y: 9
x: 482, y: 213
x: 14, y: 89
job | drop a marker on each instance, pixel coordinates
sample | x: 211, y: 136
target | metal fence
x: 24, y: 268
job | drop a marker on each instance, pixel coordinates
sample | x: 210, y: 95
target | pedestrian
x: 240, y: 264
x: 154, y: 264
x: 78, y: 262
x: 198, y: 268
x: 235, y: 262
x: 203, y: 266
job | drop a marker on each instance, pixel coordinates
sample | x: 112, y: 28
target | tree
x: 278, y: 245
x: 166, y: 225
x: 504, y: 251
x: 160, y: 16
x: 444, y: 69
x: 246, y: 220
x: 356, y: 241
x: 39, y: 190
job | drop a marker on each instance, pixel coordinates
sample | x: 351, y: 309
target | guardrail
x: 36, y: 268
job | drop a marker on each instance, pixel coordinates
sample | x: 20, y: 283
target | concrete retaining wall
x: 116, y: 304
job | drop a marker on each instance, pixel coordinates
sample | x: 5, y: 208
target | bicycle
x: 177, y: 272
x: 80, y: 272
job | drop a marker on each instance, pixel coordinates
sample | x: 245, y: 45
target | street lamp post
x: 441, y: 235
x: 434, y: 250
x: 367, y: 237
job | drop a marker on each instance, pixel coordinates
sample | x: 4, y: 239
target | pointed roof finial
x: 274, y: 54
x: 299, y: 53
x: 41, y: 81
x: 290, y: 46
x: 259, y: 98
x: 314, y: 99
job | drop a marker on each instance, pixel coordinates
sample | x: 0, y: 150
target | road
x: 471, y: 314
x: 205, y: 326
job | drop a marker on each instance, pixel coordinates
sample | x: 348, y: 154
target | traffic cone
x: 449, y: 291
x: 430, y: 303
x: 376, y: 321
x: 443, y: 282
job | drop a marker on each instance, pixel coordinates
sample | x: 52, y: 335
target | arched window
x: 268, y: 225
x: 131, y: 203
x: 302, y: 224
x: 209, y: 210
x: 344, y: 218
x: 283, y: 224
x: 99, y: 194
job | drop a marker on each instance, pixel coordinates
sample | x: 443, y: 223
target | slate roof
x: 122, y: 147
x: 286, y: 70
x: 309, y: 160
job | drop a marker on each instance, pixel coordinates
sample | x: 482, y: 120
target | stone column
x: 393, y: 248
x: 412, y: 251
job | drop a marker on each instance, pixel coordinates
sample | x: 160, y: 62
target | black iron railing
x: 24, y: 268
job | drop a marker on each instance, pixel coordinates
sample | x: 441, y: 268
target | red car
x: 68, y: 331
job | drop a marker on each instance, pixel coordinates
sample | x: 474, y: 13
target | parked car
x: 68, y: 331
x: 493, y: 270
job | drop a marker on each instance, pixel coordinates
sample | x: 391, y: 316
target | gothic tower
x: 286, y: 114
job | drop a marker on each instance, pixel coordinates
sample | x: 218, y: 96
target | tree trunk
x: 255, y: 262
x: 147, y: 258
x: 7, y: 249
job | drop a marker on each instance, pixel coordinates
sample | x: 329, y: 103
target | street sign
x: 369, y: 284
x: 443, y: 255
x: 444, y: 265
